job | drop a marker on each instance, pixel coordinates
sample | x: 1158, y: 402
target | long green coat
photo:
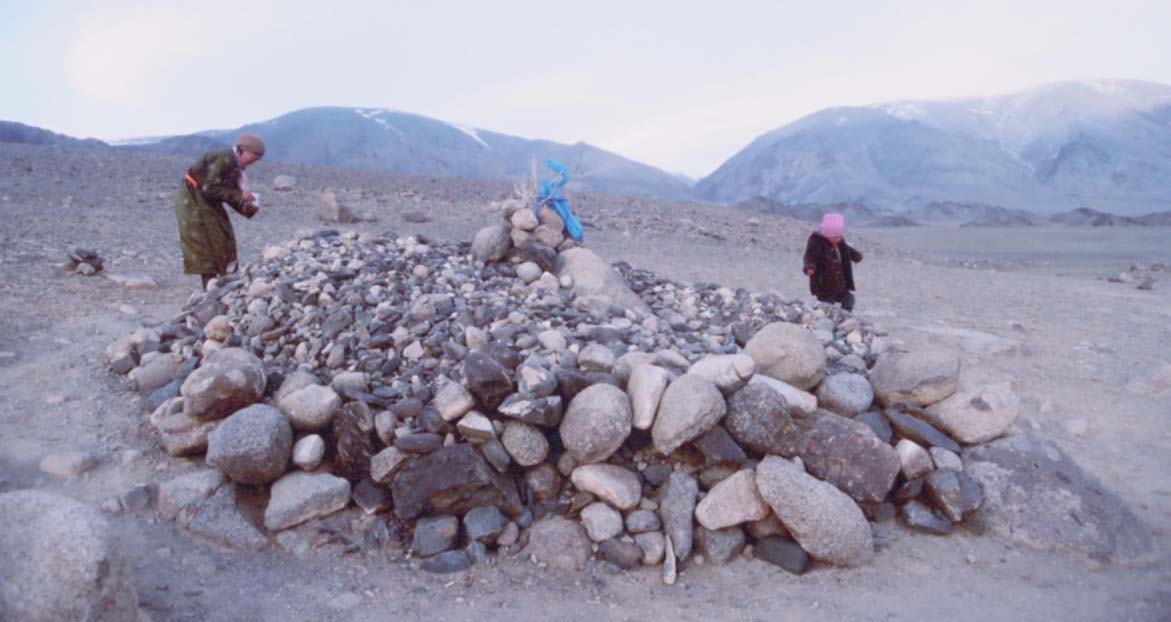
x: 205, y: 233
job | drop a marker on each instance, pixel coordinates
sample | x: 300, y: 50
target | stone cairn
x: 518, y: 396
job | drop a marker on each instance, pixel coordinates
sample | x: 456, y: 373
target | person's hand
x: 249, y: 197
x: 809, y: 272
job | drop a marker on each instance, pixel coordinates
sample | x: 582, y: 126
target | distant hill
x: 12, y: 132
x: 1086, y: 217
x: 1157, y: 219
x: 811, y: 212
x: 893, y: 221
x: 1102, y: 143
x: 971, y: 214
x: 379, y: 139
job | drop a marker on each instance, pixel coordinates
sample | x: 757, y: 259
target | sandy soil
x: 1040, y: 314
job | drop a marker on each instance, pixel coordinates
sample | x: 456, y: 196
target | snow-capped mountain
x: 1104, y: 144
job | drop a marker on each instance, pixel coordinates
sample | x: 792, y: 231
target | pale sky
x: 680, y: 85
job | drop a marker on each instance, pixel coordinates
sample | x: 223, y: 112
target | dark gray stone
x: 253, y: 446
x: 879, y: 424
x: 371, y: 497
x: 677, y: 509
x: 453, y: 480
x: 918, y: 430
x: 720, y: 546
x: 848, y: 455
x: 448, y: 562
x: 484, y: 523
x: 418, y: 443
x: 784, y: 553
x: 943, y: 489
x: 434, y: 535
x: 760, y: 419
x: 921, y: 516
x: 625, y: 555
x: 718, y: 447
x: 488, y: 380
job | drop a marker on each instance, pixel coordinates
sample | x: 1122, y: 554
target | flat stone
x: 802, y: 402
x: 918, y: 430
x: 299, y: 496
x: 645, y: 388
x: 729, y: 372
x: 977, y: 414
x: 68, y: 463
x: 919, y: 515
x: 613, y: 484
x: 476, y: 427
x: 219, y: 520
x: 447, y: 562
x: 677, y: 509
x: 386, y: 463
x: 185, y: 490
x: 452, y: 400
x: 718, y: 447
x: 484, y: 524
x: 372, y: 498
x: 943, y: 489
x: 848, y: 455
x: 921, y: 377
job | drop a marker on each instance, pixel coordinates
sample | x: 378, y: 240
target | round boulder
x: 561, y: 543
x: 491, y: 243
x: 60, y: 560
x: 228, y: 380
x: 253, y: 446
x: 921, y: 377
x: 788, y: 353
x: 596, y: 423
x: 845, y: 394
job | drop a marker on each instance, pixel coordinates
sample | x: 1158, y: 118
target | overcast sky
x: 681, y: 85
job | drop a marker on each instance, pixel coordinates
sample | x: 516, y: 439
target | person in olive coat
x: 829, y: 262
x: 205, y: 232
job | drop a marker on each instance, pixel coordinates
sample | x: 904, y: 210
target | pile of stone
x: 83, y: 262
x: 1142, y: 276
x: 520, y: 395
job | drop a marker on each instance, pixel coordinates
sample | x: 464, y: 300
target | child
x: 828, y: 262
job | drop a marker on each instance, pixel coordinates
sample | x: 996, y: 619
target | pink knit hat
x: 833, y: 225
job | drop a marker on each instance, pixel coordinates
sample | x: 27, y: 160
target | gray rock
x: 253, y: 446
x: 560, y: 543
x: 528, y: 272
x: 68, y: 463
x: 784, y: 553
x: 386, y: 463
x: 677, y: 509
x: 798, y: 400
x: 848, y: 455
x: 596, y: 423
x: 601, y: 521
x: 788, y: 353
x: 452, y: 400
x: 625, y: 555
x: 186, y: 490
x: 283, y: 183
x: 484, y: 524
x: 294, y: 382
x: 61, y: 560
x: 691, y: 405
x: 308, y: 452
x: 944, y: 459
x: 919, y: 515
x: 943, y: 489
x: 1036, y: 495
x: 914, y: 461
x: 476, y: 428
x: 652, y: 544
x: 487, y: 379
x: 645, y: 387
x: 921, y: 377
x: 491, y: 243
x: 447, y: 562
x: 729, y: 372
x: 219, y: 520
x: 613, y: 484
x: 642, y: 521
x: 372, y: 498
x: 156, y: 373
x: 541, y: 411
x: 595, y: 357
x: 299, y: 496
x: 718, y: 447
x: 821, y: 518
x: 592, y: 277
x: 845, y: 394
x: 769, y: 527
x: 312, y: 408
x: 535, y: 380
x: 760, y: 419
x: 720, y: 546
x: 228, y: 380
x: 451, y: 480
x: 434, y: 535
x: 879, y: 424
x: 181, y: 434
x: 917, y: 429
x: 525, y: 443
x: 733, y: 501
x: 624, y: 365
x: 978, y: 414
